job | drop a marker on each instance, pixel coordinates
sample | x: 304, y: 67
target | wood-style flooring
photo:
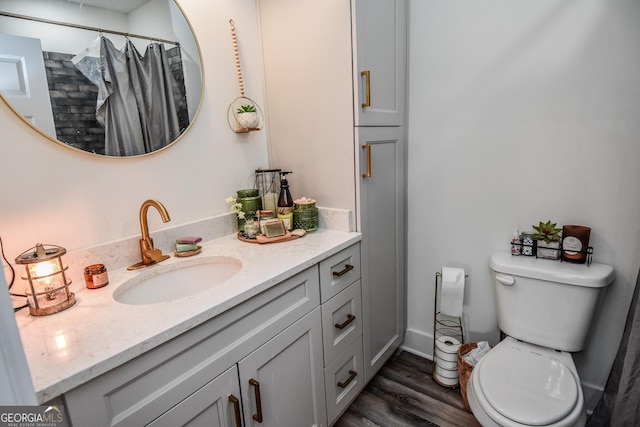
x: 403, y: 393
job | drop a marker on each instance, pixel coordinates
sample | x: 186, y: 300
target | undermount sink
x: 168, y: 282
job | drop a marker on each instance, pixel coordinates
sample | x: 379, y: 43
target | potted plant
x: 247, y: 117
x: 547, y: 237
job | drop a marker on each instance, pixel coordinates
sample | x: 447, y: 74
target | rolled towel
x: 473, y: 356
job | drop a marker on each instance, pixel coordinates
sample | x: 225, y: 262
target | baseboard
x: 592, y: 394
x: 418, y: 343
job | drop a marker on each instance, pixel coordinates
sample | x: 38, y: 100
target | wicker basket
x: 464, y: 370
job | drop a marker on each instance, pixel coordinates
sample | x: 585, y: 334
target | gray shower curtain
x: 620, y: 402
x: 136, y: 103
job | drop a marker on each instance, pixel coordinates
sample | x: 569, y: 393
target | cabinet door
x: 380, y: 45
x: 217, y: 404
x: 382, y: 223
x: 283, y: 381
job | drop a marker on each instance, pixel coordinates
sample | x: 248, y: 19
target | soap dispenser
x: 285, y: 202
x: 516, y: 243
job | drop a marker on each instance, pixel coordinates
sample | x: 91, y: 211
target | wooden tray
x: 263, y: 239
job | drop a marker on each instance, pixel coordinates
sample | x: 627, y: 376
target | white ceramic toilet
x: 545, y: 309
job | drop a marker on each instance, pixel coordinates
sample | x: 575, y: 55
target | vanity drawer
x: 142, y: 389
x: 344, y: 379
x: 341, y: 321
x: 339, y: 271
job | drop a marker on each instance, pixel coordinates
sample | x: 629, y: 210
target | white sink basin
x: 168, y: 282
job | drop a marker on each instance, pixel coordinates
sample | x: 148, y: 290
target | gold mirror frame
x: 191, y: 119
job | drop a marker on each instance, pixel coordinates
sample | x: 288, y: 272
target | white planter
x: 548, y: 250
x: 248, y: 120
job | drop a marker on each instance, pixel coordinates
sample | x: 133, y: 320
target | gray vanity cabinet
x: 281, y: 383
x: 274, y: 337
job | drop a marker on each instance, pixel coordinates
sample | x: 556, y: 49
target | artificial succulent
x: 547, y: 231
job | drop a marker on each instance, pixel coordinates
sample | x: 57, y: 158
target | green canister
x: 305, y: 214
x: 251, y: 202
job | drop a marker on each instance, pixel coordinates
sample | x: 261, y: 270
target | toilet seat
x: 527, y: 386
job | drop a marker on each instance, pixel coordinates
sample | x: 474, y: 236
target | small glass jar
x: 264, y: 217
x: 251, y: 228
x: 95, y: 276
x: 305, y: 214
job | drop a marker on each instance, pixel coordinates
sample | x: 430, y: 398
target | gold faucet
x: 150, y: 255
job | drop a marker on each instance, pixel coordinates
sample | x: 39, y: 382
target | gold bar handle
x: 347, y: 268
x: 352, y: 375
x: 236, y: 409
x: 350, y: 318
x: 367, y: 174
x: 367, y: 87
x: 258, y: 415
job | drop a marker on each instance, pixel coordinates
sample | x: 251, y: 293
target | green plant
x: 547, y: 231
x: 246, y: 109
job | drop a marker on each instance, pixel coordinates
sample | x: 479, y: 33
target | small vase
x: 546, y: 250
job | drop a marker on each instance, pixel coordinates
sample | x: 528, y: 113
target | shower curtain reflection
x: 137, y: 95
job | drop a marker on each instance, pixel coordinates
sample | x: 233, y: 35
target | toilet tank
x: 544, y: 302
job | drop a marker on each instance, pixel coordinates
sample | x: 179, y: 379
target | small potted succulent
x: 547, y: 237
x: 247, y: 117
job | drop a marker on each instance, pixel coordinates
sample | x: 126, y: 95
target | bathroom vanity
x: 279, y: 343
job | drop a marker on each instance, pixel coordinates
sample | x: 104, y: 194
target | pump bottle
x: 285, y: 202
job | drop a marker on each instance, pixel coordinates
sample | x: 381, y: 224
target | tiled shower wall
x: 73, y: 101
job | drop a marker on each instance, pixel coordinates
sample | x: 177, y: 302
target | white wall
x: 51, y: 194
x: 522, y: 111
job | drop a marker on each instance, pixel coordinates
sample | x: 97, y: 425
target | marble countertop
x: 97, y: 334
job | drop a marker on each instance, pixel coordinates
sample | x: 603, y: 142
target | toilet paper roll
x: 447, y: 381
x: 447, y: 357
x: 446, y: 373
x: 447, y: 344
x: 446, y: 364
x: 452, y: 291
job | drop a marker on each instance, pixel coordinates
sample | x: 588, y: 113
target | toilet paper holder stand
x: 444, y: 326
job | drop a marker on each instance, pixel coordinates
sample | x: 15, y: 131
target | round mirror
x: 116, y: 78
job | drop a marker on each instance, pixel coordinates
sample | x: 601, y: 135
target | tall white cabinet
x: 335, y: 77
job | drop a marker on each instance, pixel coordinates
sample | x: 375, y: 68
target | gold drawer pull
x: 367, y: 88
x: 258, y: 415
x: 236, y: 409
x: 350, y: 318
x: 352, y: 375
x: 367, y: 174
x: 347, y: 268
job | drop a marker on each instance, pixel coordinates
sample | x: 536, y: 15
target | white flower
x: 235, y: 207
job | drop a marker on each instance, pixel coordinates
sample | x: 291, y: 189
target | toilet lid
x: 527, y: 387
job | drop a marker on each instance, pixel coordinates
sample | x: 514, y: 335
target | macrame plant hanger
x: 243, y: 115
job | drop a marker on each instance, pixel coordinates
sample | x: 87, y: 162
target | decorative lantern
x: 48, y: 288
